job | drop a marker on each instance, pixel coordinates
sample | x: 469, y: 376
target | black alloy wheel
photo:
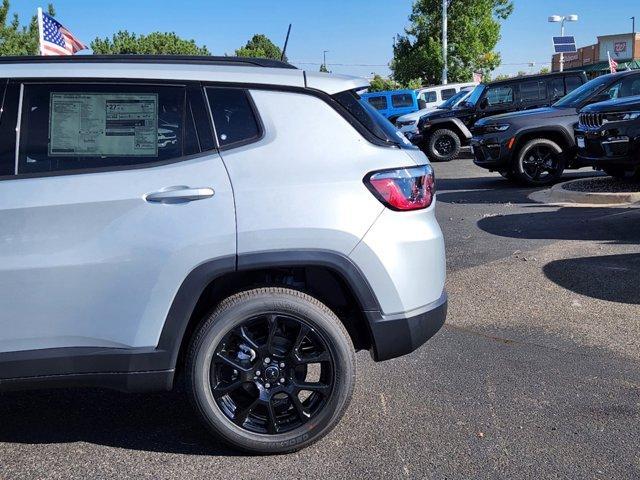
x: 540, y: 162
x: 271, y: 370
x: 259, y: 373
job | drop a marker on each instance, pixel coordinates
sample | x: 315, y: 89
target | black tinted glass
x: 572, y: 82
x: 87, y: 126
x: 379, y: 103
x: 233, y: 116
x: 531, y: 91
x: 402, y: 100
x: 8, y: 116
x: 447, y: 93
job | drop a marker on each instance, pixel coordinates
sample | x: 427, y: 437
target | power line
x: 386, y: 64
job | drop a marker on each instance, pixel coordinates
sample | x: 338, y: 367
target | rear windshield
x: 371, y: 119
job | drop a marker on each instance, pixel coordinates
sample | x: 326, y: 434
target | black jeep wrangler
x: 536, y: 146
x: 441, y: 133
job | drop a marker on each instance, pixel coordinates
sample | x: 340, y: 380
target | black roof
x: 536, y: 76
x: 183, y: 59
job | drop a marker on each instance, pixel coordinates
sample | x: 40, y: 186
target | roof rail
x: 184, y: 59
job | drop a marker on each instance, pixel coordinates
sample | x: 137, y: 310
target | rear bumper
x: 394, y: 336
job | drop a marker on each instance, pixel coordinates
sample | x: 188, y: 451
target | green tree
x: 17, y: 39
x: 473, y: 32
x: 379, y: 84
x: 544, y: 70
x: 156, y: 43
x: 260, y: 47
x: 502, y: 77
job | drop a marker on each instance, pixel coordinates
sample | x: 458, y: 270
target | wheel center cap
x: 272, y: 372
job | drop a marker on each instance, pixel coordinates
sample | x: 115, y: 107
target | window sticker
x: 103, y: 124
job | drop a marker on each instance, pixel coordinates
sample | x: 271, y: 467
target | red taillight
x: 410, y: 188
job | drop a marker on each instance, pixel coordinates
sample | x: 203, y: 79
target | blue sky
x: 357, y: 33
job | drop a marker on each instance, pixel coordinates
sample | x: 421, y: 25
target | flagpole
x: 40, y: 31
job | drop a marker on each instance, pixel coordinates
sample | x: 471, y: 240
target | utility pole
x: 444, y: 41
x: 324, y: 58
x: 633, y: 24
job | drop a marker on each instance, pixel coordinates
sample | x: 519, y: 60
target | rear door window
x: 234, y: 118
x: 555, y: 88
x: 76, y: 126
x: 499, y: 95
x: 430, y: 96
x: 572, y: 82
x: 379, y: 103
x: 447, y: 93
x: 402, y: 100
x: 532, y: 91
x: 9, y: 95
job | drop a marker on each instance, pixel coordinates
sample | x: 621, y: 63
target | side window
x: 500, y: 95
x: 430, y: 96
x: 233, y: 116
x: 555, y: 88
x: 402, y: 100
x: 532, y: 91
x: 9, y: 94
x: 572, y: 82
x: 88, y: 126
x: 614, y: 90
x: 629, y: 86
x: 379, y: 103
x: 447, y: 93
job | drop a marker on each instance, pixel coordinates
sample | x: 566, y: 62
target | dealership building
x: 624, y: 48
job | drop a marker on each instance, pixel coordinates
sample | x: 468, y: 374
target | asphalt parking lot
x: 535, y: 375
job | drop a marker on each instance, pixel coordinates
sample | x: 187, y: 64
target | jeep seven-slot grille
x: 590, y: 120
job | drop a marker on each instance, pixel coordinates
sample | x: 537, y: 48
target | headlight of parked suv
x: 495, y: 128
x: 619, y: 116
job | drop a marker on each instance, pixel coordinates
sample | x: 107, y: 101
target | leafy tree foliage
x: 260, y: 47
x: 156, y: 43
x: 379, y: 84
x: 16, y: 39
x: 473, y: 32
x: 544, y: 70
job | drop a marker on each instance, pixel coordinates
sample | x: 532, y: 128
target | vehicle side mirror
x: 421, y: 104
x: 601, y: 97
x: 484, y: 103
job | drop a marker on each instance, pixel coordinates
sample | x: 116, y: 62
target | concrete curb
x: 559, y: 194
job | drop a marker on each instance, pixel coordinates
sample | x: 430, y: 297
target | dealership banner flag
x: 613, y: 65
x: 55, y: 39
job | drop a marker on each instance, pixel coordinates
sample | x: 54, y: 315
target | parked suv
x: 442, y: 133
x: 408, y: 124
x: 242, y: 256
x: 392, y: 104
x: 537, y: 145
x: 608, y: 134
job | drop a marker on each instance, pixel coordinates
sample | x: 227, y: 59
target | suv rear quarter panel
x: 301, y: 185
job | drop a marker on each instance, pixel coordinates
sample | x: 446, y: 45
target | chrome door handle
x: 179, y: 194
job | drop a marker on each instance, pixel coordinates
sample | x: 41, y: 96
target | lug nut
x: 257, y: 372
x: 282, y: 380
x: 267, y: 385
x: 281, y: 364
x: 267, y: 360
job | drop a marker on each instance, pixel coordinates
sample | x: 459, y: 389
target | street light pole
x: 444, y: 41
x: 561, y: 20
x: 561, y: 53
x: 324, y: 58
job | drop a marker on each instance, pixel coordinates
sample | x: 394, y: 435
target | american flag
x: 57, y: 40
x: 613, y: 65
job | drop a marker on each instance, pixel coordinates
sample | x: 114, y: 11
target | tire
x: 508, y: 174
x: 539, y: 162
x: 443, y: 145
x: 275, y: 423
x: 621, y: 173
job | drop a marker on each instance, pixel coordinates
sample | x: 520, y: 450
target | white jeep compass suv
x: 284, y: 226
